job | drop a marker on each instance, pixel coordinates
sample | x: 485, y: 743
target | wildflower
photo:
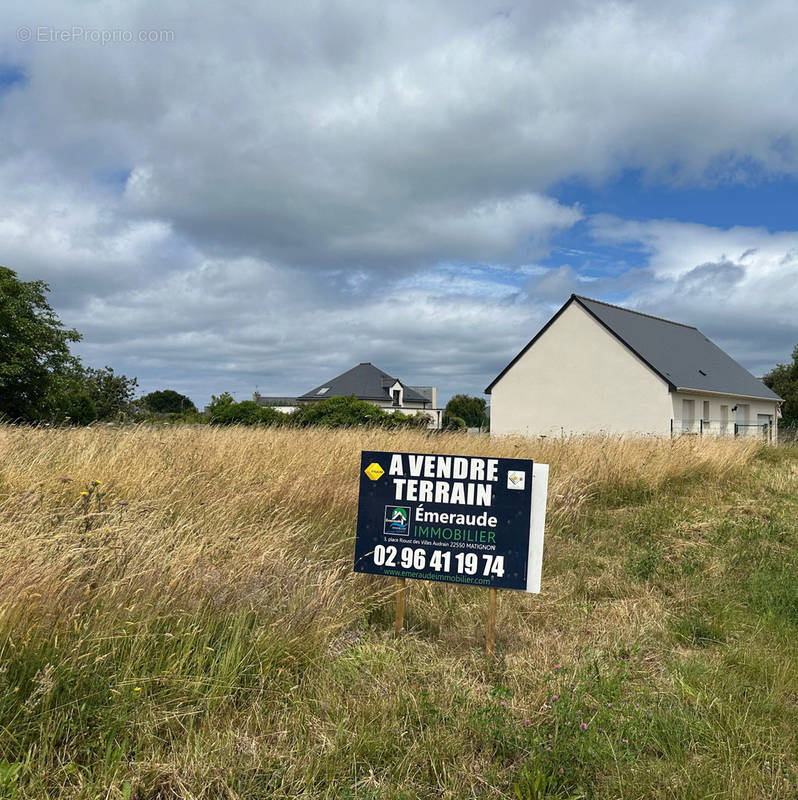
x: 609, y: 705
x: 557, y: 667
x: 527, y: 722
x: 95, y: 482
x: 555, y: 698
x: 504, y: 704
x: 84, y: 494
x: 579, y: 711
x: 583, y: 726
x: 137, y: 689
x: 624, y: 741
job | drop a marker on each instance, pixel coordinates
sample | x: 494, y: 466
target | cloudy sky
x: 263, y: 194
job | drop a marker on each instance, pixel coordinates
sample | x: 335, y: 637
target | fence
x: 717, y: 427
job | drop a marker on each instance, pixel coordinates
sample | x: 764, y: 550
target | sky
x: 260, y: 195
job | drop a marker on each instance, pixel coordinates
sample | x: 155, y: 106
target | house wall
x: 578, y: 378
x: 716, y: 415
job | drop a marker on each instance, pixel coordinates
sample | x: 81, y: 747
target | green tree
x: 783, y: 380
x: 69, y: 400
x: 469, y: 409
x: 167, y: 401
x: 34, y: 348
x: 110, y: 393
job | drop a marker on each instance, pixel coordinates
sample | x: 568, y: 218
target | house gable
x: 579, y: 377
x: 679, y: 354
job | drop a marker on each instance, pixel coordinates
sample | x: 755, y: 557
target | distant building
x: 599, y: 368
x: 366, y: 382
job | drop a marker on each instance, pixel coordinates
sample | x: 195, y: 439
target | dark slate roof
x: 425, y: 391
x: 365, y: 382
x: 680, y: 354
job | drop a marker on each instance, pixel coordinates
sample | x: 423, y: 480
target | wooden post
x: 400, y: 607
x: 491, y: 632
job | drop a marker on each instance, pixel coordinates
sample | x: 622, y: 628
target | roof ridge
x: 632, y: 311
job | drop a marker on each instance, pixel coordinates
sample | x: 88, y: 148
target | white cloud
x: 283, y: 189
x: 740, y: 286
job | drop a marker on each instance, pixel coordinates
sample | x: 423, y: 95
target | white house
x: 367, y: 382
x: 595, y: 368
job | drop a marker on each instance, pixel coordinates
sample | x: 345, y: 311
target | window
x: 705, y: 417
x: 323, y: 390
x: 397, y: 396
x: 688, y: 415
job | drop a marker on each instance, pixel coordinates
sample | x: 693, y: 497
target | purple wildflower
x: 583, y: 726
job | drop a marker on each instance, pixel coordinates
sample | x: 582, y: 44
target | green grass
x: 145, y: 656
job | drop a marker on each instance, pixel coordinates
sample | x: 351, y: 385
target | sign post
x: 400, y: 607
x: 455, y: 519
x: 491, y: 631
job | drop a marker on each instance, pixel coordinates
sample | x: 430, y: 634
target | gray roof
x: 425, y: 391
x: 365, y: 382
x: 680, y: 354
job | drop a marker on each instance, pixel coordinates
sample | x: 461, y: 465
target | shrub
x: 451, y: 422
x: 347, y: 412
x: 223, y: 410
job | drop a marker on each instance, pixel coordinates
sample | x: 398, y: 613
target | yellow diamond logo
x: 374, y: 471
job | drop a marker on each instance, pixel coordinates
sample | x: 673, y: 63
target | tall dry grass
x: 255, y: 517
x: 171, y: 601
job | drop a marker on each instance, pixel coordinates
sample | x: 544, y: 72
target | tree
x: 469, y: 409
x: 110, y: 393
x: 783, y: 380
x: 34, y: 347
x: 167, y: 401
x: 82, y: 394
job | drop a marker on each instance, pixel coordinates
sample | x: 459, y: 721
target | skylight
x: 323, y: 390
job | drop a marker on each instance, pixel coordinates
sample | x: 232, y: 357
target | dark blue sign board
x: 458, y: 519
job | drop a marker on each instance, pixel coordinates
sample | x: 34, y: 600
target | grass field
x: 179, y: 619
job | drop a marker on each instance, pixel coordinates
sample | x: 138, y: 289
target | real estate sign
x: 460, y: 519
